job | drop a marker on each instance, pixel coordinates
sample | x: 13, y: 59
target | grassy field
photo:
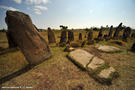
x: 59, y: 73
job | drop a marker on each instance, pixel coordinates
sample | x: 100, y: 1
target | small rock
x: 68, y: 49
x: 106, y: 72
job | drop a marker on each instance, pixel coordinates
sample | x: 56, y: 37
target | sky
x: 72, y: 13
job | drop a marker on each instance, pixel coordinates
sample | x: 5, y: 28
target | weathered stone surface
x: 51, y: 36
x: 27, y: 38
x: 133, y: 47
x: 70, y: 36
x: 106, y: 73
x: 116, y: 33
x: 100, y: 35
x: 11, y: 42
x: 95, y: 63
x: 81, y: 56
x: 36, y: 28
x: 133, y: 35
x: 106, y: 48
x: 96, y: 67
x: 110, y: 32
x: 90, y: 38
x: 80, y: 36
x: 63, y: 38
x: 126, y: 33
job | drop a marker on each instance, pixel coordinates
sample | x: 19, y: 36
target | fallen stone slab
x: 106, y: 48
x: 107, y: 75
x: 106, y: 72
x: 81, y: 57
x: 95, y: 63
x: 96, y: 67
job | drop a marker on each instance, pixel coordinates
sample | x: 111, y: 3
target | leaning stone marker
x: 110, y: 32
x: 116, y: 33
x: 11, y: 42
x: 80, y: 36
x: 27, y: 38
x: 63, y: 38
x: 90, y: 37
x: 133, y: 47
x: 126, y: 33
x: 51, y: 36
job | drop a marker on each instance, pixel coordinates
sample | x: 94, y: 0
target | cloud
x: 37, y: 11
x: 41, y: 7
x: 36, y: 1
x: 8, y: 8
x: 17, y: 1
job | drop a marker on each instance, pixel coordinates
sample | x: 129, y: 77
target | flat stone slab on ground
x: 96, y: 67
x: 106, y: 73
x: 81, y: 56
x: 95, y: 63
x: 106, y: 48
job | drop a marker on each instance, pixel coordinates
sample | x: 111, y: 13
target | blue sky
x: 72, y: 13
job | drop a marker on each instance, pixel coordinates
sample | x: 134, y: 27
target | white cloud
x: 37, y: 11
x: 8, y: 8
x: 17, y: 1
x: 41, y: 7
x: 36, y: 1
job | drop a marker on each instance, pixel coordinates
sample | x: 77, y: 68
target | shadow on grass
x: 15, y: 74
x: 7, y: 50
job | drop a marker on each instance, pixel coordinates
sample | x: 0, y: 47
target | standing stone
x: 100, y: 36
x: 63, y: 38
x: 90, y: 37
x: 70, y: 36
x: 51, y: 36
x: 116, y: 34
x: 126, y: 33
x: 80, y: 36
x: 83, y: 43
x: 27, y: 38
x: 110, y: 32
x: 133, y: 47
x: 133, y: 35
x: 11, y: 42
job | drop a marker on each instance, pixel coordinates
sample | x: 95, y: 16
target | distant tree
x: 86, y: 29
x: 95, y: 29
x: 63, y: 27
